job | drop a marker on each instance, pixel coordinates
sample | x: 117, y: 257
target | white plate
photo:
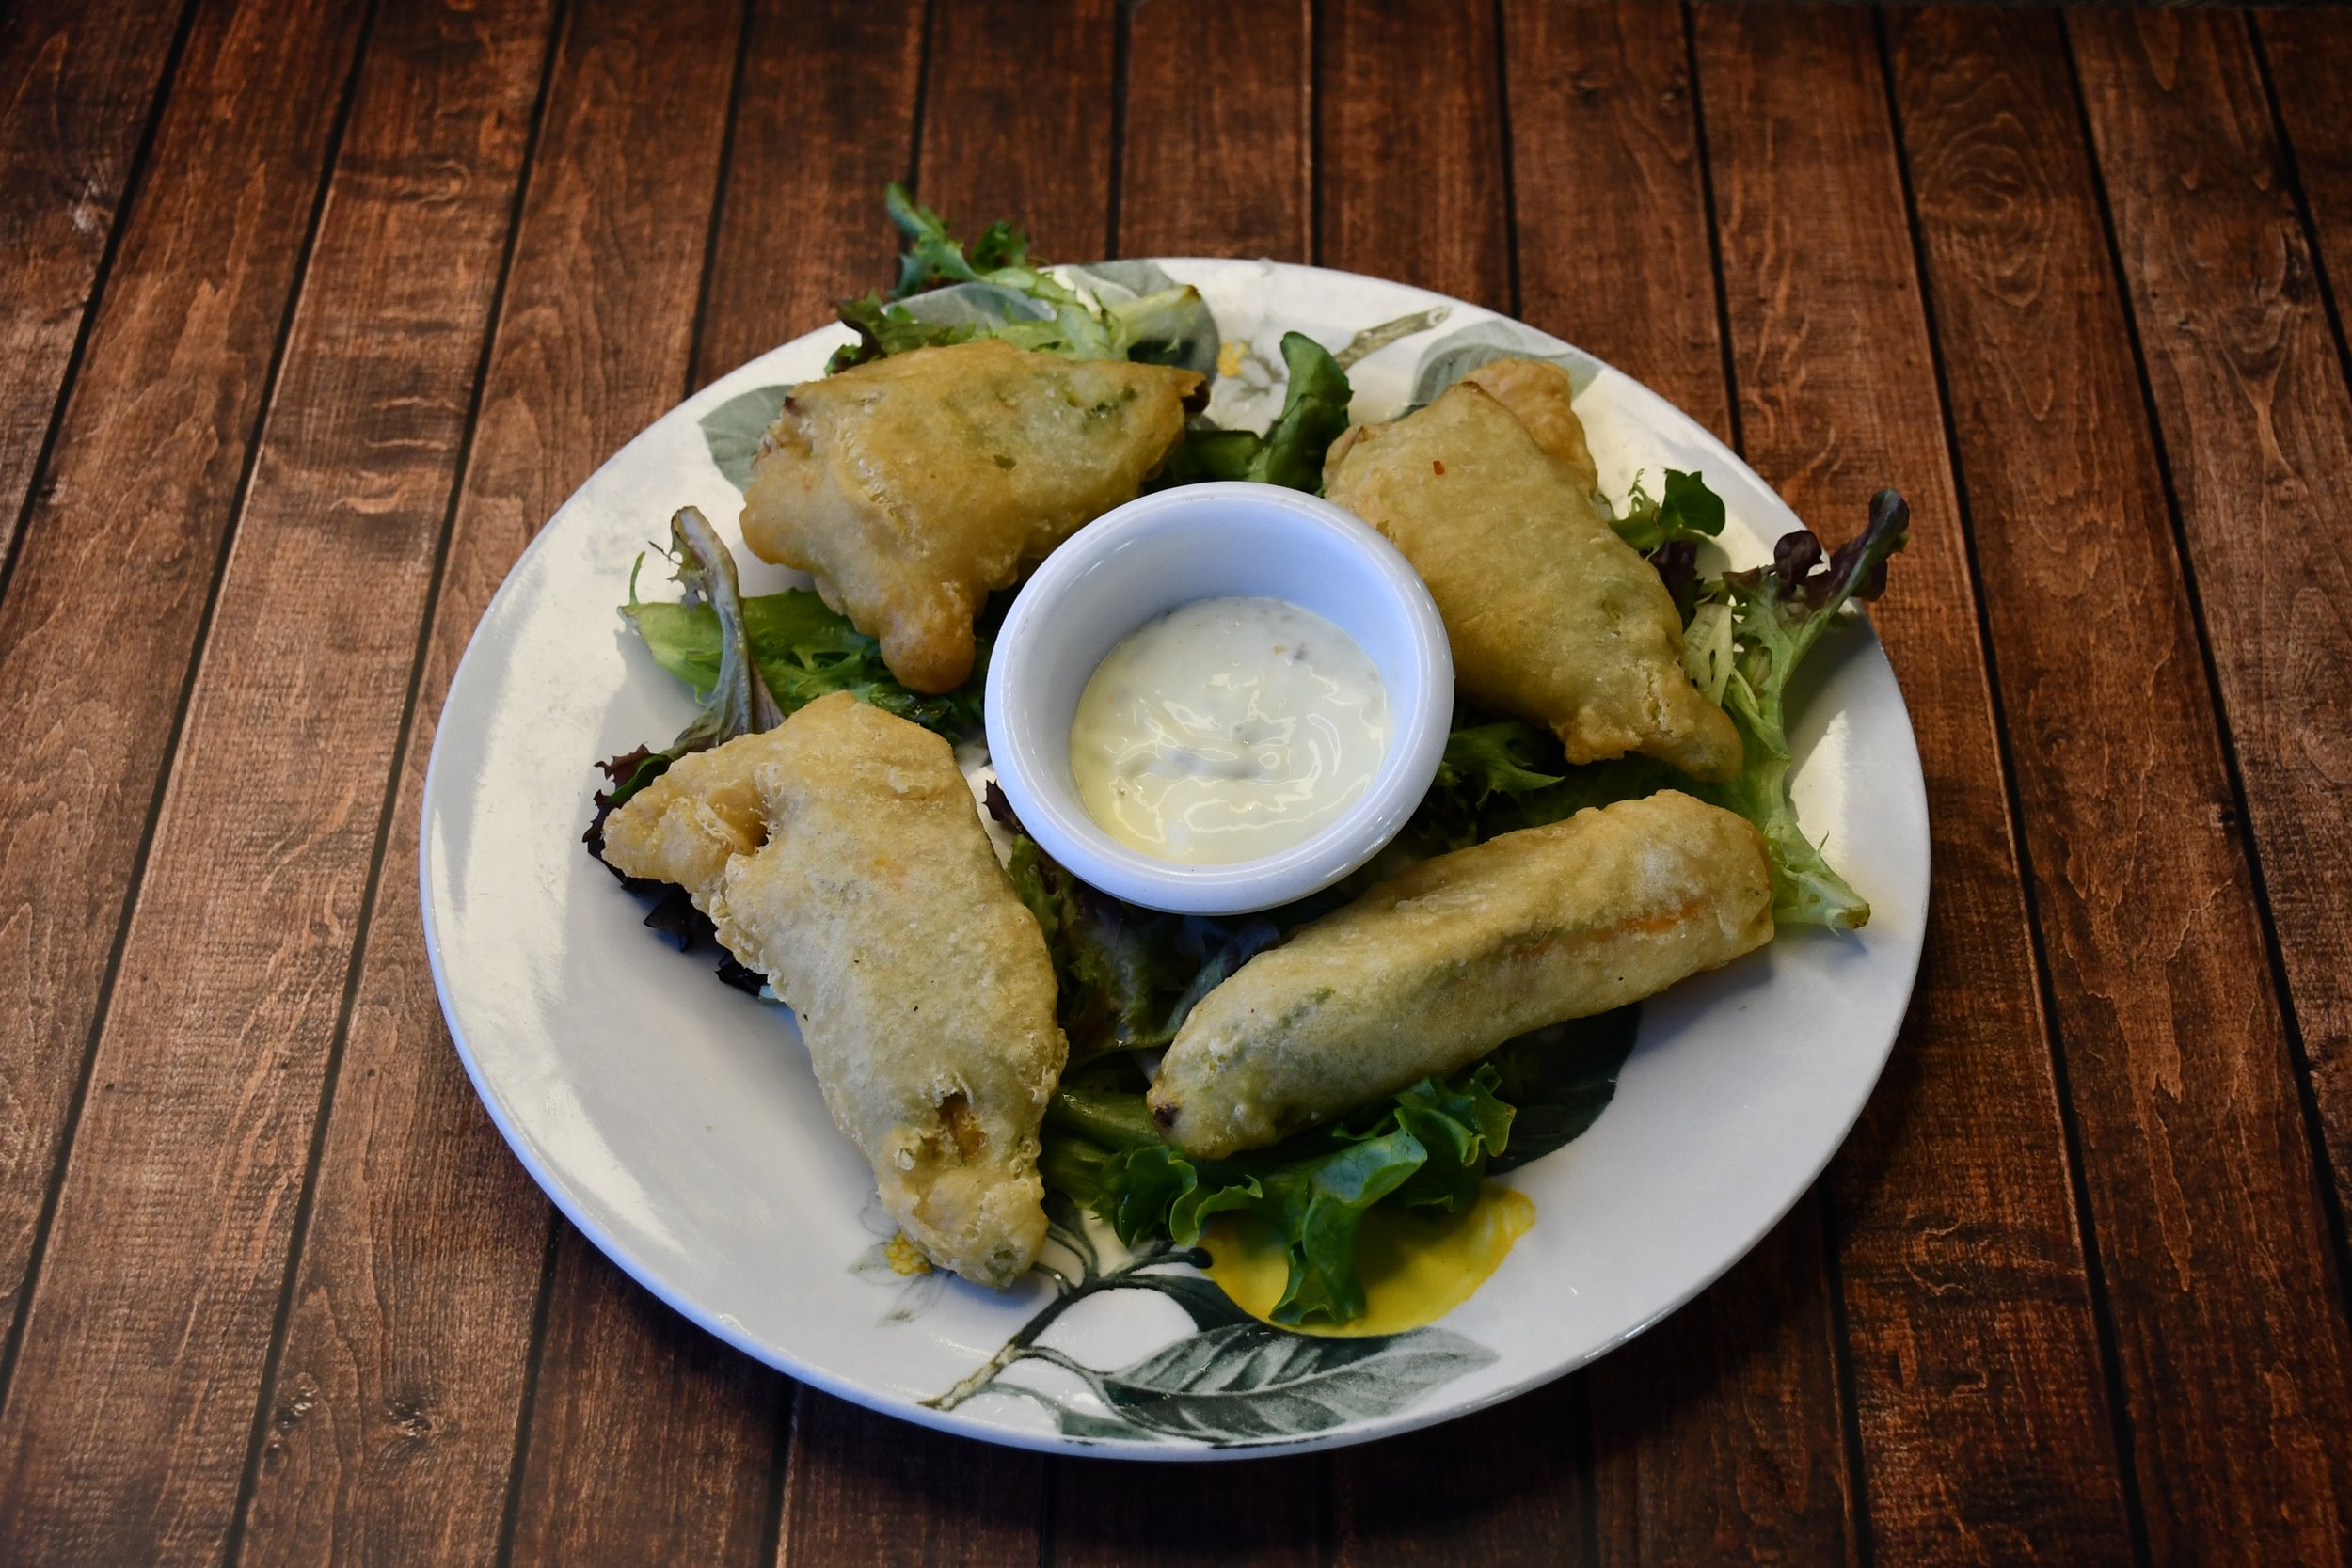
x: 676, y: 1123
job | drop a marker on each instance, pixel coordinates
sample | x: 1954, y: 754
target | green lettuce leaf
x: 1127, y: 976
x: 1486, y: 761
x: 802, y: 651
x: 1426, y: 1147
x: 736, y: 698
x: 1747, y: 635
x: 1777, y: 613
x: 1688, y: 512
x: 1315, y: 398
x: 1559, y: 1080
x: 948, y: 293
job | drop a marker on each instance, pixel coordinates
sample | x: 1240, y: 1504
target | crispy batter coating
x: 1489, y: 493
x: 1538, y: 395
x: 840, y: 854
x: 1439, y: 964
x: 912, y: 486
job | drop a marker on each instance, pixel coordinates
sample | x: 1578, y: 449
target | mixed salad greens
x: 1128, y: 977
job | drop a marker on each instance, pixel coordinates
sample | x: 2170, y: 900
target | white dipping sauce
x: 1227, y: 730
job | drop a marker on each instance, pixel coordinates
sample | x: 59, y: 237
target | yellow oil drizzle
x: 1416, y: 1267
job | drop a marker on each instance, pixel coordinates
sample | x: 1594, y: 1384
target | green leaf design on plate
x: 734, y: 430
x: 971, y: 304
x: 1187, y: 339
x: 1372, y: 339
x: 1455, y: 354
x: 1203, y: 1301
x: 1250, y: 1381
x: 1094, y: 1429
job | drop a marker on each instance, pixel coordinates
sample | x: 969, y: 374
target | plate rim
x: 1431, y: 1409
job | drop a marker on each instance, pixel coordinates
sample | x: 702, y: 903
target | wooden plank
x: 116, y: 563
x: 1409, y: 96
x: 78, y: 85
x: 2250, y: 393
x: 1716, y: 1434
x: 651, y: 1441
x: 408, y: 1352
x: 638, y: 1422
x: 1601, y: 114
x: 994, y: 144
x: 1728, y: 1411
x: 1412, y: 143
x: 2227, y: 1311
x: 1979, y: 1402
x: 1217, y: 163
x: 1500, y: 1489
x: 863, y: 1488
x: 129, y: 1419
x: 823, y: 121
x: 394, y: 1416
x: 1218, y: 155
x: 1264, y: 1514
x: 2308, y: 53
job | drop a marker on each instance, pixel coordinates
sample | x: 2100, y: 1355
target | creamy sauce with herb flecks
x: 1227, y: 730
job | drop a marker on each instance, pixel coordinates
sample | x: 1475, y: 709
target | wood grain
x: 1601, y: 101
x: 998, y: 143
x: 1500, y: 1488
x: 128, y: 1422
x: 1978, y: 1401
x: 115, y: 564
x: 2294, y: 769
x: 1216, y: 164
x: 78, y: 84
x: 824, y: 120
x: 426, y: 1243
x: 650, y: 1440
x: 1409, y: 94
x: 861, y: 1488
x: 1262, y: 1513
x: 2257, y: 425
x: 1218, y: 155
x: 1715, y: 1434
x: 1420, y: 196
x: 1728, y: 1410
x: 595, y: 342
x: 2228, y: 1330
x: 2309, y: 55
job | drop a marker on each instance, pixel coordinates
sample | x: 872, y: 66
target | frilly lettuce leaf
x: 736, y: 699
x: 802, y: 651
x: 1746, y: 635
x: 1777, y: 613
x: 948, y: 294
x: 1314, y: 411
x: 1426, y: 1147
x: 1127, y: 976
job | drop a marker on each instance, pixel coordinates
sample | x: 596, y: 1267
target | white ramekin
x: 1197, y: 541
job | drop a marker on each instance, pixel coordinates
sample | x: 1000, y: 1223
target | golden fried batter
x: 1489, y: 493
x: 1439, y: 964
x: 1538, y: 395
x: 912, y: 486
x: 840, y: 855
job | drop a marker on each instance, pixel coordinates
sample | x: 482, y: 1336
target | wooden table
x: 315, y: 311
